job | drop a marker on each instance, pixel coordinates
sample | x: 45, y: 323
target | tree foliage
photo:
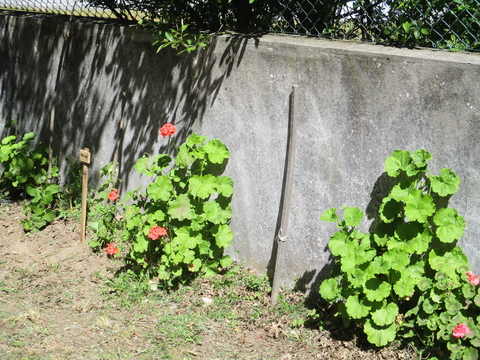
x: 453, y: 25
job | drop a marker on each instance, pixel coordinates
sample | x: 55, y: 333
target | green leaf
x: 420, y: 158
x: 390, y: 209
x: 468, y: 291
x: 399, y: 161
x: 470, y: 353
x: 9, y: 139
x: 169, y: 36
x: 340, y: 245
x: 379, y: 335
x: 330, y: 215
x: 188, y: 256
x: 380, y: 266
x: 356, y: 308
x: 194, y: 140
x: 405, y: 286
x: 397, y: 260
x: 180, y: 208
x: 429, y: 307
x: 140, y: 244
x: 143, y: 166
x: 153, y: 217
x: 329, y: 289
x: 35, y: 192
x: 184, y: 157
x: 29, y: 136
x: 225, y: 185
x: 161, y: 189
x: 49, y: 215
x: 215, y: 214
x: 204, y: 247
x: 450, y: 225
x: 226, y: 261
x: 408, y: 231
x: 209, y: 269
x: 195, y: 265
x: 452, y: 305
x: 447, y: 261
x: 353, y: 216
x: 48, y: 193
x: 413, y: 238
x: 202, y: 186
x: 419, y: 206
x: 377, y: 290
x: 386, y: 315
x: 406, y: 26
x: 217, y: 152
x: 187, y: 238
x: 445, y: 184
x: 424, y: 284
x: 223, y: 235
x: 357, y: 275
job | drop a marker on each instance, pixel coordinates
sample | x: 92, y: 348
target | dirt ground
x: 55, y: 303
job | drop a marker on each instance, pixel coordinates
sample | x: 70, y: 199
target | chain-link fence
x: 64, y: 7
x: 453, y: 25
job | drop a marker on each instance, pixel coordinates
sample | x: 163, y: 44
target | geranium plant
x: 179, y: 225
x: 26, y: 170
x: 408, y: 278
x: 104, y: 209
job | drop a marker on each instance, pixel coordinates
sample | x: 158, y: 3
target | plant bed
x: 60, y: 300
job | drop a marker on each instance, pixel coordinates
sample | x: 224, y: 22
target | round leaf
x: 223, y: 236
x: 202, y: 186
x: 160, y: 189
x: 445, y: 184
x: 419, y: 206
x: 450, y: 225
x: 379, y: 335
x: 217, y: 152
x: 377, y: 290
x: 180, y: 208
x: 386, y: 315
x: 330, y: 215
x: 355, y: 308
x: 353, y: 216
x: 329, y: 289
x: 397, y: 162
x: 225, y: 186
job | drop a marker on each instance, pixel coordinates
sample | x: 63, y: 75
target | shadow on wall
x: 100, y: 85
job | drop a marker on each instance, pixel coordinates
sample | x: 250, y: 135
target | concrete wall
x: 357, y: 103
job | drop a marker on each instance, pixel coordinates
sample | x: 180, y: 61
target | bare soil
x: 55, y: 303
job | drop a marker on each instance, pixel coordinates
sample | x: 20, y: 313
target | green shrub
x: 408, y: 278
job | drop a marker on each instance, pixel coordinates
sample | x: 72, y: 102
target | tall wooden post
x: 85, y: 159
x: 287, y: 194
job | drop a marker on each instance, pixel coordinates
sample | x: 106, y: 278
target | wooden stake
x: 287, y: 194
x: 85, y: 158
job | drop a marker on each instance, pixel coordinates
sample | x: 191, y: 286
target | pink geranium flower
x: 460, y: 331
x: 472, y: 278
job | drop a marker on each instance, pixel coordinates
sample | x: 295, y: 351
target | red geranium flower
x: 111, y: 249
x: 156, y: 231
x: 472, y: 278
x: 460, y: 331
x: 113, y: 195
x: 168, y: 130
